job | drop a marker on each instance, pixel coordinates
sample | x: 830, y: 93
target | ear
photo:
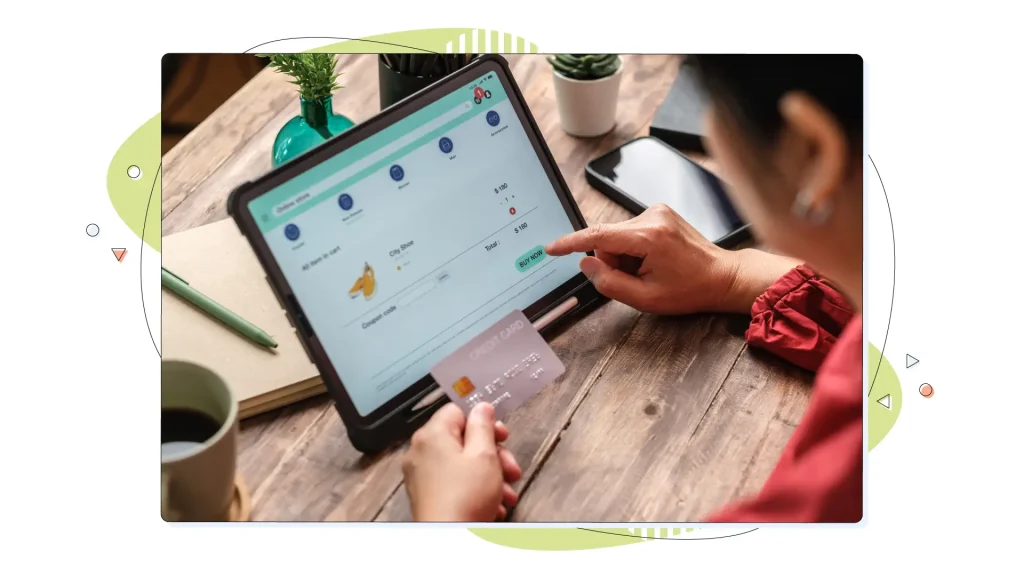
x: 828, y: 150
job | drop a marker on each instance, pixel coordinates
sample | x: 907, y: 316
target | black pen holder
x: 395, y: 86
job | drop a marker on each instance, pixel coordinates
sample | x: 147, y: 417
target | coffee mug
x: 199, y: 434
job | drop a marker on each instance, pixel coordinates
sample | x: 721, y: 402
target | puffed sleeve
x: 799, y: 318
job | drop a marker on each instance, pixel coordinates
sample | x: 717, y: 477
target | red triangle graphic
x: 119, y: 253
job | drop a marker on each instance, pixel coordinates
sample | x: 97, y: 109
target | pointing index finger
x: 612, y: 238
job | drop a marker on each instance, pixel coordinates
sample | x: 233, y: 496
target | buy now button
x: 530, y: 259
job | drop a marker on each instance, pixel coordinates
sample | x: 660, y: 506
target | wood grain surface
x: 656, y: 418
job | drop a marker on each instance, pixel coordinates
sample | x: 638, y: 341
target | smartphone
x: 646, y: 171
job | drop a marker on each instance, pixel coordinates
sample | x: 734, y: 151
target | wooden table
x: 656, y: 419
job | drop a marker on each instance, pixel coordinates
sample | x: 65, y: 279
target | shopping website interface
x: 408, y: 244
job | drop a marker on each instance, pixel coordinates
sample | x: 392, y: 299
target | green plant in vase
x: 317, y: 79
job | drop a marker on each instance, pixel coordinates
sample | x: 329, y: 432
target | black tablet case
x: 679, y: 120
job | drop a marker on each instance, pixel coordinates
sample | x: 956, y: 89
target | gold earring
x: 804, y: 208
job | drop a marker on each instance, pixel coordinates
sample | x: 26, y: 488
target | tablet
x: 392, y: 244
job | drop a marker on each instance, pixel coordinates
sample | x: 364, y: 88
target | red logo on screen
x: 478, y: 92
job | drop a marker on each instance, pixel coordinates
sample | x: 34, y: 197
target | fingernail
x: 485, y: 410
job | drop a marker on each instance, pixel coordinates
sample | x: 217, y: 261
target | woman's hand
x: 457, y: 471
x: 658, y: 263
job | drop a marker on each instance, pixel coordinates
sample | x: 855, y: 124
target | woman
x: 787, y: 134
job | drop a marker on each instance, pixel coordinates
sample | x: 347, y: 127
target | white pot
x: 587, y: 108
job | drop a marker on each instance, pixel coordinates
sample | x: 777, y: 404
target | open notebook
x: 216, y: 260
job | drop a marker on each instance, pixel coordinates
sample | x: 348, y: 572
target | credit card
x: 505, y: 365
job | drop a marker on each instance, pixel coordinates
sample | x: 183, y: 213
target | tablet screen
x: 409, y: 243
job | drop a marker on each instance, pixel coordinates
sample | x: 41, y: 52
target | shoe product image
x: 357, y: 288
x: 369, y: 282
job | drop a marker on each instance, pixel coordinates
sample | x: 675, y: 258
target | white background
x: 81, y: 377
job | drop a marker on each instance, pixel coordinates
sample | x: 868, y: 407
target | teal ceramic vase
x: 316, y: 123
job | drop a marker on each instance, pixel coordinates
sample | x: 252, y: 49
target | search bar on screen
x: 381, y: 153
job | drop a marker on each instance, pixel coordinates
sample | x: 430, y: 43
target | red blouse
x: 804, y: 320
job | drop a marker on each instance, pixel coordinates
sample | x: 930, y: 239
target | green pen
x: 176, y: 284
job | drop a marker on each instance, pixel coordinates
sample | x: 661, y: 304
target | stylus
x: 541, y: 323
x: 428, y: 400
x: 556, y: 313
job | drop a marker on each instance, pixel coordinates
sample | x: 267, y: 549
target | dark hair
x: 750, y: 86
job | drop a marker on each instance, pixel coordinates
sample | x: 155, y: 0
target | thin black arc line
x: 892, y: 299
x: 340, y: 38
x: 142, y: 247
x: 659, y: 538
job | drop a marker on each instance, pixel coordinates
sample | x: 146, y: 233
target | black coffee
x: 184, y: 425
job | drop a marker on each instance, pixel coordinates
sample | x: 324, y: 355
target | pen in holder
x: 402, y: 75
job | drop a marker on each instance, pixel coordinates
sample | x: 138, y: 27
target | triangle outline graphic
x: 886, y: 401
x: 911, y: 361
x: 119, y: 253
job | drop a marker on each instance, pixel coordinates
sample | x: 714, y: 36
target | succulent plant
x: 585, y: 66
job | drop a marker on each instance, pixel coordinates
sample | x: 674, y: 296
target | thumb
x: 611, y: 282
x: 480, y: 429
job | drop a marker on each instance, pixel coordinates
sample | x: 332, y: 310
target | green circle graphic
x: 885, y: 399
x: 138, y: 205
x: 557, y: 539
x: 137, y: 202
